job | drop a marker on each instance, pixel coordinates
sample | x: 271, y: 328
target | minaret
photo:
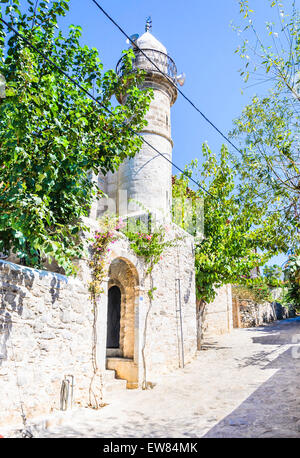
x: 147, y: 178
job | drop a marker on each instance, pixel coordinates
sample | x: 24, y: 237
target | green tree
x: 292, y: 276
x: 239, y: 235
x: 273, y: 275
x: 269, y: 126
x: 53, y: 136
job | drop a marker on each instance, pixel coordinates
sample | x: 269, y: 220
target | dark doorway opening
x: 113, y: 317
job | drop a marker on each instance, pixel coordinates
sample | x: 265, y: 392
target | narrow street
x: 245, y: 384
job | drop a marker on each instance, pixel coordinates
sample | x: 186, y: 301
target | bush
x: 273, y: 275
x: 292, y: 275
x: 255, y: 289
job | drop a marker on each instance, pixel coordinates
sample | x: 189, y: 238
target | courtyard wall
x: 45, y: 334
x: 46, y: 327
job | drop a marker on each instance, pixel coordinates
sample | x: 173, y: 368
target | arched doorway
x: 122, y: 339
x: 113, y: 317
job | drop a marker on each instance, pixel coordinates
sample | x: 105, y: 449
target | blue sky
x: 199, y: 37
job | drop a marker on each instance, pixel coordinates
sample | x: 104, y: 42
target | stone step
x: 109, y: 375
x: 118, y: 358
x: 126, y: 369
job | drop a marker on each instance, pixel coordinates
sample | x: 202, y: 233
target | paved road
x: 245, y: 384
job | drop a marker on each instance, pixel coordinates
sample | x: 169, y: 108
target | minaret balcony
x: 162, y: 63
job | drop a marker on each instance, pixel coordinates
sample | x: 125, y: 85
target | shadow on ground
x: 273, y: 410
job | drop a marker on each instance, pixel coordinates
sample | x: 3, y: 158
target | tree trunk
x: 200, y: 313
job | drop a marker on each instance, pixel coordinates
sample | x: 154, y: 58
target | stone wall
x: 247, y: 313
x: 46, y: 325
x: 284, y: 312
x: 45, y: 334
x: 254, y: 314
x: 172, y: 331
x: 166, y: 331
x: 216, y: 317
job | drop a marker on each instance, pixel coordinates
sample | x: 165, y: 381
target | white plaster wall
x: 218, y: 314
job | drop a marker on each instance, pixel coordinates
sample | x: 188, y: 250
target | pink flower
x: 120, y: 223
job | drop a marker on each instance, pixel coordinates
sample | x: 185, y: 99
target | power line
x: 28, y: 42
x: 159, y: 70
x: 177, y: 88
x: 107, y: 109
x: 173, y: 84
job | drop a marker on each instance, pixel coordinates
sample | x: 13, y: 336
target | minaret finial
x: 148, y: 24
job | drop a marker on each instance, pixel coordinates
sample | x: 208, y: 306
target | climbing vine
x: 256, y: 289
x: 108, y: 233
x: 149, y: 246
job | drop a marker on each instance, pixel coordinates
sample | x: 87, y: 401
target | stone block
x: 47, y: 335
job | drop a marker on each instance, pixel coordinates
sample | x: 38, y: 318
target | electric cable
x: 160, y: 71
x: 28, y: 42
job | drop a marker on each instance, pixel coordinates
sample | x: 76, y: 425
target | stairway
x: 112, y: 386
x: 125, y: 369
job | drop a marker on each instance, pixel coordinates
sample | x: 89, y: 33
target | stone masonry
x: 45, y: 334
x: 46, y: 328
x: 164, y: 334
x: 249, y: 313
x: 47, y: 320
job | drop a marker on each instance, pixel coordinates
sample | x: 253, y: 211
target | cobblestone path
x: 244, y: 384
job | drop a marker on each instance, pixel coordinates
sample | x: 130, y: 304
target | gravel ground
x: 244, y: 384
